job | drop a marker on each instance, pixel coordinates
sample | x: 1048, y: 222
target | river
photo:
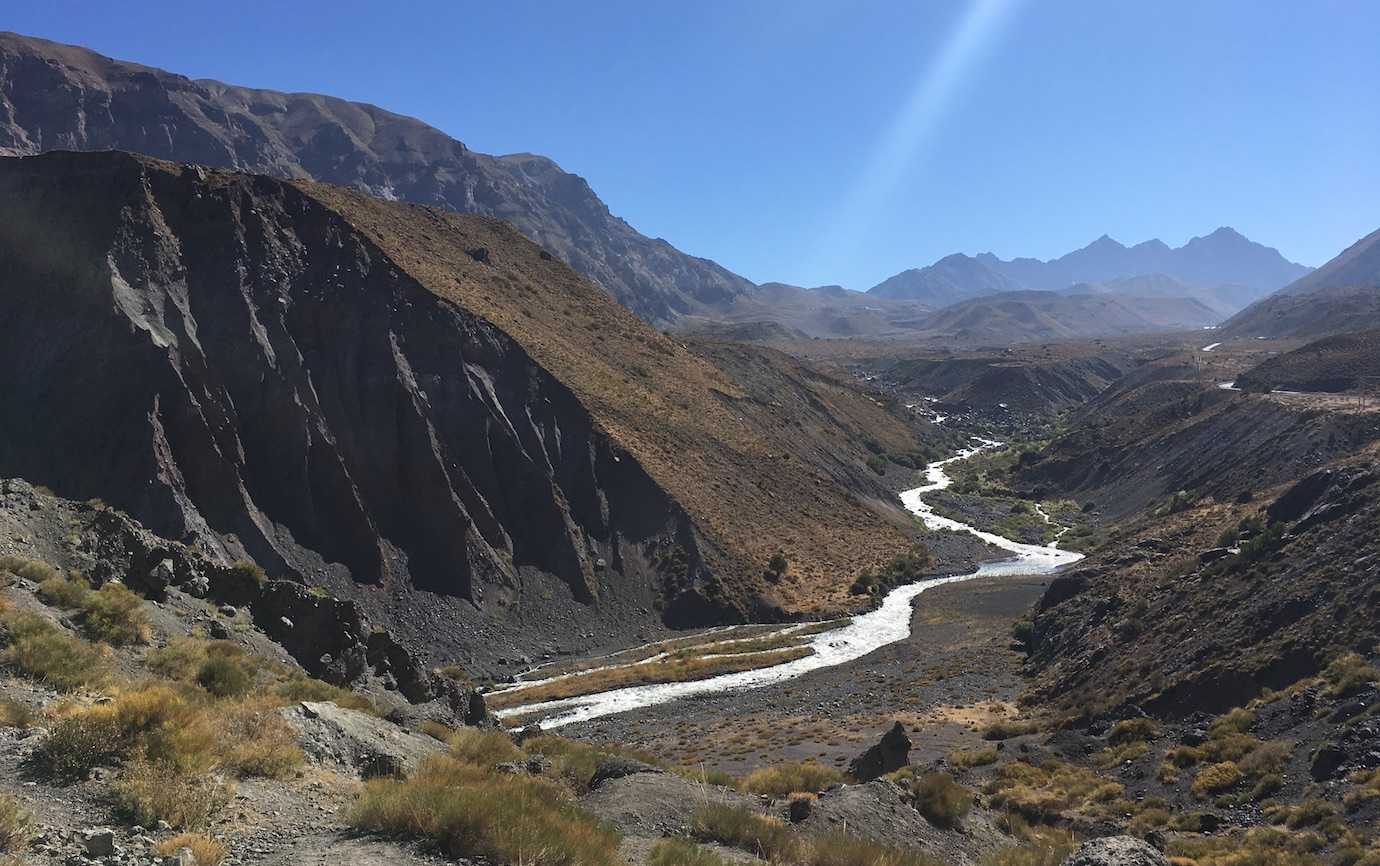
x: 888, y: 623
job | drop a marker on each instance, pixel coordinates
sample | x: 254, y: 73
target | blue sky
x: 821, y: 141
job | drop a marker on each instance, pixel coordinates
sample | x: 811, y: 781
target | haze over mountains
x: 1224, y: 270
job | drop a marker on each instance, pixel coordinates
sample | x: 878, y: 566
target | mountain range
x: 1224, y: 270
x: 63, y: 97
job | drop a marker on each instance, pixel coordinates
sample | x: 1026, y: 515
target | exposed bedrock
x: 230, y: 362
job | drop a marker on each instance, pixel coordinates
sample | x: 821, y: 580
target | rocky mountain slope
x: 1342, y: 295
x: 952, y: 279
x: 1345, y: 362
x: 418, y: 409
x: 1016, y: 317
x: 62, y: 97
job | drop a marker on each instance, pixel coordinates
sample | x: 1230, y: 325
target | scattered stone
x: 98, y: 842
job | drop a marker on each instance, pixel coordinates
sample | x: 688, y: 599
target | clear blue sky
x: 818, y: 141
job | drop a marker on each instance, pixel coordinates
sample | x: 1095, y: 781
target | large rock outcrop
x: 417, y: 410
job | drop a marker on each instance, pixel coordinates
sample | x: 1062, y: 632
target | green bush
x: 226, y: 676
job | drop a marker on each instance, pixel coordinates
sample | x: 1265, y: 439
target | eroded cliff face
x: 234, y: 365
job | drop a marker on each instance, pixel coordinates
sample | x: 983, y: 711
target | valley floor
x: 953, y: 675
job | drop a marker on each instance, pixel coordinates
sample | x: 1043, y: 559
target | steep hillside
x: 1345, y: 362
x: 62, y: 97
x: 1223, y: 257
x: 1222, y: 299
x: 1160, y: 429
x: 1342, y: 295
x: 1031, y: 316
x: 421, y: 409
x: 986, y: 381
x: 825, y: 311
x: 951, y: 279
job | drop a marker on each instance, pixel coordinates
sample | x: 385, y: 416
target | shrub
x: 14, y: 823
x: 227, y: 675
x: 1349, y: 674
x: 1215, y: 778
x: 966, y: 758
x: 484, y: 748
x: 1134, y: 730
x: 940, y: 799
x: 1266, y: 758
x: 300, y: 687
x: 784, y: 779
x: 470, y: 812
x: 40, y: 650
x: 180, y: 659
x: 68, y: 592
x: 205, y: 850
x: 29, y: 569
x: 778, y: 564
x: 739, y: 827
x: 1005, y: 729
x: 839, y: 849
x: 683, y: 852
x: 115, y: 615
x: 249, y: 571
x: 109, y: 733
x: 151, y: 792
x: 15, y: 715
x: 259, y: 742
x: 436, y: 730
x: 1238, y: 721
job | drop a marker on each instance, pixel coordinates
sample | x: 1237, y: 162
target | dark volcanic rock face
x: 232, y: 363
x: 59, y: 97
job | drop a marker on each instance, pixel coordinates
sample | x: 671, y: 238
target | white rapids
x: 867, y: 632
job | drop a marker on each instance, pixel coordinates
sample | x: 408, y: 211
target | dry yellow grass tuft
x: 14, y: 823
x: 471, y: 812
x: 205, y: 850
x: 784, y: 779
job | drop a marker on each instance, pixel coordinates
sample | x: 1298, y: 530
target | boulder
x: 357, y: 741
x: 1116, y: 851
x: 618, y: 768
x: 98, y: 842
x: 891, y: 753
x: 1064, y: 587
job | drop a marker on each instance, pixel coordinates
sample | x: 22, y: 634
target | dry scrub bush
x: 683, y: 852
x: 484, y: 748
x: 1005, y: 729
x: 965, y: 759
x: 940, y: 799
x: 205, y: 850
x: 1349, y: 674
x: 1216, y: 778
x: 115, y: 615
x: 147, y: 793
x: 29, y: 569
x: 15, y: 715
x: 69, y: 591
x: 471, y: 812
x: 39, y: 649
x: 14, y: 823
x: 764, y: 836
x: 783, y: 779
